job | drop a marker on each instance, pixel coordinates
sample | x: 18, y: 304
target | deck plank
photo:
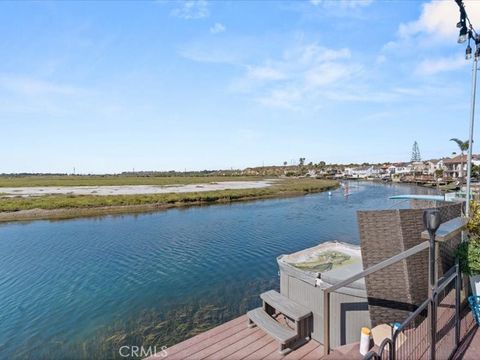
x: 265, y: 351
x: 315, y: 354
x: 303, y: 350
x: 245, y: 342
x: 218, y: 346
x: 197, y: 347
x: 234, y: 340
x: 252, y: 348
x: 275, y: 355
x: 200, y: 337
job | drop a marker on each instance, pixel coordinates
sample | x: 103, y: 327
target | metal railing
x: 428, y: 333
x: 414, y: 345
x: 425, y: 333
x: 377, y: 267
x: 385, y: 349
x: 446, y: 315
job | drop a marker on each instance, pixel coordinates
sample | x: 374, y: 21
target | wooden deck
x: 234, y: 341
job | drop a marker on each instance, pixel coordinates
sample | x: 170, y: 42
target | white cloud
x: 303, y: 76
x: 348, y: 4
x: 35, y: 87
x: 328, y: 73
x: 264, y: 73
x: 217, y: 28
x: 218, y: 55
x: 302, y: 73
x: 440, y: 18
x: 380, y: 59
x: 191, y: 9
x: 22, y: 94
x: 286, y: 98
x: 435, y: 66
x: 313, y: 53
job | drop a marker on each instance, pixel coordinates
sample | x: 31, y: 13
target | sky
x: 105, y: 87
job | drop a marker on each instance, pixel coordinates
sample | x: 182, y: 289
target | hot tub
x: 304, y: 275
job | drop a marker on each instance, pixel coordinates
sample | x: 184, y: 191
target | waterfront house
x: 434, y: 165
x: 418, y: 168
x: 402, y: 168
x: 362, y: 172
x: 456, y: 167
x: 399, y: 170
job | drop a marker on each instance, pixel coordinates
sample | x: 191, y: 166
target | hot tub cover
x: 331, y: 262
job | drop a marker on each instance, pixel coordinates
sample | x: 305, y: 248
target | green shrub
x: 474, y: 221
x: 468, y: 252
x: 469, y: 256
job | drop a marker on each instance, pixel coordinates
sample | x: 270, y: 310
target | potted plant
x: 469, y: 251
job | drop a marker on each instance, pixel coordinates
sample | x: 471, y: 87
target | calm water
x: 82, y: 288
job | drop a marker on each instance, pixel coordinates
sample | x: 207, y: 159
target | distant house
x: 434, y: 165
x: 363, y: 172
x: 391, y: 169
x: 418, y: 168
x: 456, y: 167
x: 400, y: 168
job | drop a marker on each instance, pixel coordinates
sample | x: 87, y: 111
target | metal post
x: 458, y: 284
x: 433, y: 326
x: 431, y: 220
x: 431, y: 269
x: 470, y: 138
x: 431, y: 294
x: 326, y: 322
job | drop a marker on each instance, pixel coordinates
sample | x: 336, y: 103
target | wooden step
x: 285, y: 306
x: 270, y: 326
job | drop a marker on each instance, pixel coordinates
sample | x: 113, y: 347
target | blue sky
x: 111, y: 86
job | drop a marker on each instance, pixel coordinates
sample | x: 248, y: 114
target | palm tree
x: 463, y: 146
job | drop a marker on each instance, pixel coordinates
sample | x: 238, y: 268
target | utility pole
x: 470, y: 137
x: 467, y: 32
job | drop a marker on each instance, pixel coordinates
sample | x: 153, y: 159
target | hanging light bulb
x: 477, y: 53
x: 468, y: 52
x: 463, y: 36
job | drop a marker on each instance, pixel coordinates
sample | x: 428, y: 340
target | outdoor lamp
x: 468, y: 52
x: 462, y: 37
x: 432, y: 220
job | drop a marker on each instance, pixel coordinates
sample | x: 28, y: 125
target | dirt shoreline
x: 71, y: 213
x: 108, y: 190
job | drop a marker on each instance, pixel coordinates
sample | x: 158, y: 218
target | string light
x: 467, y: 31
x: 468, y: 52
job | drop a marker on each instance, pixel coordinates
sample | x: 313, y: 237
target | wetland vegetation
x: 68, y: 206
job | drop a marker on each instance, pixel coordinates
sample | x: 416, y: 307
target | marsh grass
x: 281, y: 188
x: 114, y: 180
